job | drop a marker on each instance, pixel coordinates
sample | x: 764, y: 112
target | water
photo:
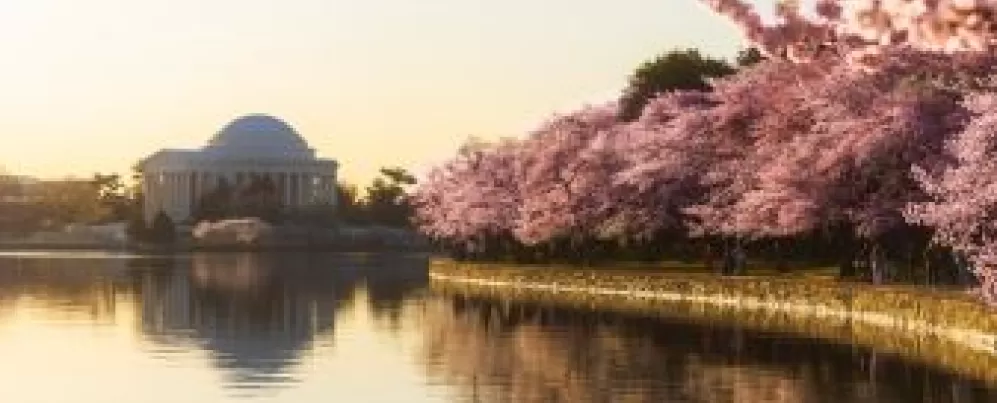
x: 366, y: 328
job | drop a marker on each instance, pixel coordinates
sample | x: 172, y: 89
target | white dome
x: 258, y: 134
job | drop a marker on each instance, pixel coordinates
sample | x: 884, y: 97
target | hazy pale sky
x: 95, y: 85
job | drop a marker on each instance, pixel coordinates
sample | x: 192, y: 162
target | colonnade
x: 177, y: 192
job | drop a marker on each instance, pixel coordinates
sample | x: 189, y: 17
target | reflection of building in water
x: 258, y: 313
x: 255, y: 317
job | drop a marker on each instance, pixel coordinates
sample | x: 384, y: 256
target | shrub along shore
x: 945, y: 328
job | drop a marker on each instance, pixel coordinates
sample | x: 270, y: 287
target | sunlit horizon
x: 96, y: 86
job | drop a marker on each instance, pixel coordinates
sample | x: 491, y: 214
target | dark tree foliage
x: 259, y: 198
x: 675, y: 70
x: 119, y: 201
x: 315, y: 216
x: 215, y: 204
x: 349, y: 207
x: 162, y: 230
x: 749, y: 57
x: 387, y: 201
x: 137, y: 229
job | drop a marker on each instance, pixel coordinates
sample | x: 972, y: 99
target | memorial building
x: 249, y: 148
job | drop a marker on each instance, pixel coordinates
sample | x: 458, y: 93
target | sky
x: 93, y: 86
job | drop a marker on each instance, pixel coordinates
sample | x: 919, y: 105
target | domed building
x: 250, y: 147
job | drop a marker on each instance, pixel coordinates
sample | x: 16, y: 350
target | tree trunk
x: 734, y: 257
x: 708, y: 255
x: 846, y: 267
x: 780, y: 258
x: 739, y: 258
x: 728, y: 261
x: 846, y: 262
x: 964, y: 272
x: 877, y: 264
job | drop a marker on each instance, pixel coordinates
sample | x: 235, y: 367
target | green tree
x: 749, y: 57
x: 259, y: 198
x: 216, y: 204
x: 674, y: 70
x: 115, y: 198
x: 398, y: 176
x: 387, y: 201
x: 137, y: 229
x: 17, y: 215
x: 70, y: 201
x: 349, y: 206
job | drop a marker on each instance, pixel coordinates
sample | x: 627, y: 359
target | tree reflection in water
x: 257, y: 316
x: 255, y: 319
x: 514, y: 352
x: 258, y: 313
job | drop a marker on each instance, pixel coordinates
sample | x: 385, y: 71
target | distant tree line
x: 107, y: 198
x: 31, y: 206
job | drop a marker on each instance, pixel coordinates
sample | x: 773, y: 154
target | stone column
x: 194, y: 178
x: 292, y: 190
x: 282, y: 189
x: 195, y: 190
x: 289, y: 190
x: 188, y: 191
x: 177, y: 189
x: 334, y: 189
x: 167, y: 192
x: 209, y: 182
x: 182, y: 195
x: 156, y: 188
x: 148, y: 196
x: 162, y: 192
x: 305, y: 190
x: 330, y: 189
x: 177, y: 195
x: 202, y: 187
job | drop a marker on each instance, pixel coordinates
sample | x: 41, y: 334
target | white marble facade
x: 252, y: 145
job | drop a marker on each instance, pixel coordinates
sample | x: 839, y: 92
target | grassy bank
x: 940, y: 327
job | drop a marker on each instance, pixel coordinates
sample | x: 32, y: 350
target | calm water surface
x: 94, y: 327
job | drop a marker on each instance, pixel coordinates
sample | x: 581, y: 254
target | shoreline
x: 946, y: 329
x: 138, y: 248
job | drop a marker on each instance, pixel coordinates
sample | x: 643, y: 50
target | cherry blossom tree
x: 861, y: 27
x: 567, y: 167
x: 668, y: 150
x: 756, y: 112
x: 792, y: 146
x: 962, y: 203
x: 473, y: 199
